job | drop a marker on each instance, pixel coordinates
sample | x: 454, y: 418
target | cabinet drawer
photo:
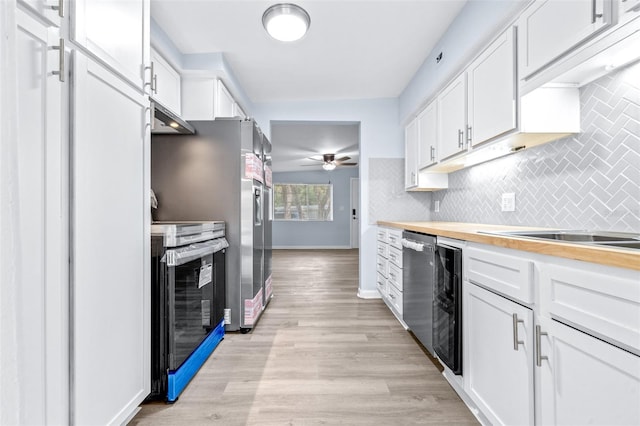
x: 394, y: 237
x: 507, y: 274
x: 395, y: 256
x: 395, y: 276
x: 382, y: 266
x: 383, y: 250
x: 381, y: 285
x: 605, y: 305
x: 395, y: 299
x: 381, y: 235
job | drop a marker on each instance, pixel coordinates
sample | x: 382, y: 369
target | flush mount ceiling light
x: 286, y: 21
x: 329, y: 166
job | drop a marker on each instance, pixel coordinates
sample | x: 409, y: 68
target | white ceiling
x: 355, y: 49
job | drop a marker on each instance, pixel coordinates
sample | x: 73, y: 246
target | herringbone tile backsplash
x: 590, y: 181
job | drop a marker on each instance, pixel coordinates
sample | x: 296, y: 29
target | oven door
x: 447, y: 307
x: 190, y: 307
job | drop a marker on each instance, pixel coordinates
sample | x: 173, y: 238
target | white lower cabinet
x: 585, y: 381
x: 389, y: 269
x: 110, y: 262
x: 498, y: 356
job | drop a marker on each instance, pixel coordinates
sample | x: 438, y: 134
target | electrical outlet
x: 509, y: 202
x: 436, y: 206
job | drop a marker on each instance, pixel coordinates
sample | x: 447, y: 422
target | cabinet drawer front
x: 382, y: 266
x: 395, y: 298
x: 601, y: 304
x: 395, y: 276
x: 394, y: 237
x: 509, y: 275
x: 381, y: 235
x: 381, y: 285
x: 383, y: 250
x: 395, y: 256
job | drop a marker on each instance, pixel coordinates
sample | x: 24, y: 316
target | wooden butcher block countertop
x: 604, y: 255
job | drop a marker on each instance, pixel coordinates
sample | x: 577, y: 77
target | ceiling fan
x: 329, y: 161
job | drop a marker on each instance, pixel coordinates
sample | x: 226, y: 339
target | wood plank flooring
x: 319, y: 355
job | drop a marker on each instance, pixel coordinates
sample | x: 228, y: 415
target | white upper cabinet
x: 428, y: 136
x: 116, y: 32
x: 42, y: 261
x: 411, y: 155
x: 206, y: 98
x: 452, y: 110
x: 165, y: 83
x: 550, y: 28
x: 50, y: 10
x: 492, y: 93
x: 225, y: 104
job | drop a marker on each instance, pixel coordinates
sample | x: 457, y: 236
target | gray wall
x: 590, y: 181
x: 313, y: 234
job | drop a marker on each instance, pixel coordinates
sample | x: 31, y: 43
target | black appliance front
x: 447, y: 307
x: 188, y: 302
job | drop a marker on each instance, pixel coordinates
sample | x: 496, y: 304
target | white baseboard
x: 311, y: 247
x: 369, y: 294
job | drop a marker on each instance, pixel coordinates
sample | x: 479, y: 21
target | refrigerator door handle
x: 257, y: 197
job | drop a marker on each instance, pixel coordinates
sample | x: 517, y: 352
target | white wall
x: 318, y: 234
x: 380, y: 136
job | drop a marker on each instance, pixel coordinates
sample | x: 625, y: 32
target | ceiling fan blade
x: 347, y: 164
x: 315, y: 159
x: 345, y: 158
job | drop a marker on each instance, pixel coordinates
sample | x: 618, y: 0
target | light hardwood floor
x: 319, y: 355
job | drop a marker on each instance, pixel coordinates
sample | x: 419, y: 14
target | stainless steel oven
x: 188, y: 301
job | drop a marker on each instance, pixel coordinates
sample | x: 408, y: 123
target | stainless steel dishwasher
x: 418, y: 277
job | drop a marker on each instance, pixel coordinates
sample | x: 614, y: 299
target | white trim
x: 311, y: 248
x: 369, y: 294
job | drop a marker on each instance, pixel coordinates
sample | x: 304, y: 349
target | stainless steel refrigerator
x: 218, y: 174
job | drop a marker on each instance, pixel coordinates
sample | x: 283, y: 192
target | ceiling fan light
x: 329, y: 166
x: 286, y: 21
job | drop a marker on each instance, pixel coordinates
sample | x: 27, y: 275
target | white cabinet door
x: 110, y: 266
x: 165, y: 85
x: 42, y: 294
x: 452, y: 120
x: 428, y: 135
x: 550, y: 28
x: 224, y: 101
x: 50, y: 10
x: 584, y: 380
x: 498, y: 356
x: 116, y: 32
x: 198, y: 98
x: 411, y: 155
x: 492, y: 92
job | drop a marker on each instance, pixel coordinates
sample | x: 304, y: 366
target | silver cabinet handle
x: 516, y: 340
x: 460, y: 138
x: 468, y: 135
x: 60, y: 49
x: 433, y: 153
x: 154, y: 79
x: 59, y: 8
x: 594, y: 14
x: 539, y: 356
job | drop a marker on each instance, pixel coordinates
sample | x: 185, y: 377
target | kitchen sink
x: 611, y: 239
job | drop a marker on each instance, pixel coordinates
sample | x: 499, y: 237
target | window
x: 301, y: 201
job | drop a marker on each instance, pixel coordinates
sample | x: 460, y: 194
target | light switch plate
x: 508, y: 202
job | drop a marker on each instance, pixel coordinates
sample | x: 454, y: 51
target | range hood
x: 165, y: 121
